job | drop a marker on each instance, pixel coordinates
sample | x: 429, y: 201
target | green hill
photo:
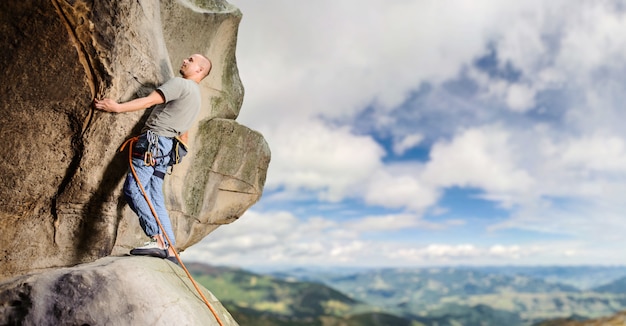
x: 398, y: 297
x: 261, y: 300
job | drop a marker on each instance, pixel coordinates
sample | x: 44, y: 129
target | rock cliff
x: 60, y: 202
x: 60, y: 197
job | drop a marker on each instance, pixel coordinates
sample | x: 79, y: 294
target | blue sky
x: 420, y: 133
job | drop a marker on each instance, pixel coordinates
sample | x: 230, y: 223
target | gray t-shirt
x: 182, y: 105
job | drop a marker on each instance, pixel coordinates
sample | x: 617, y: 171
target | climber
x: 173, y: 119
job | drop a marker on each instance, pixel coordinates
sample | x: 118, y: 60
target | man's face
x: 190, y: 66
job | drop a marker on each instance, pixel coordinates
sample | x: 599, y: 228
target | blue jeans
x: 153, y: 185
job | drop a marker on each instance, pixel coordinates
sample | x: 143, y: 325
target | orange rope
x: 132, y: 168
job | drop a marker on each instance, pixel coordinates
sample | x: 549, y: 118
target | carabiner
x: 148, y: 160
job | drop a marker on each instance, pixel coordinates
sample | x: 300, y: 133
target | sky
x: 411, y: 133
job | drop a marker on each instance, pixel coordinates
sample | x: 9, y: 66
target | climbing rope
x: 130, y: 143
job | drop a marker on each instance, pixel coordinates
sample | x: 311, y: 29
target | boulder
x: 60, y: 200
x: 109, y: 291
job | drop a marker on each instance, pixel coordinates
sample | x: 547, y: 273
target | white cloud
x: 313, y: 156
x: 281, y: 239
x: 390, y: 222
x: 481, y: 158
x: 393, y: 189
x: 514, y: 251
x: 520, y: 98
x: 581, y: 167
x: 596, y: 153
x: 384, y: 223
x: 276, y: 238
x: 599, y: 222
x: 448, y: 251
x: 593, y: 38
x: 407, y: 142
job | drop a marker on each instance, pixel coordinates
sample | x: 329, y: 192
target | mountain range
x: 417, y: 296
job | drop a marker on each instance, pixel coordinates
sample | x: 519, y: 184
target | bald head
x: 196, y: 67
x: 205, y: 63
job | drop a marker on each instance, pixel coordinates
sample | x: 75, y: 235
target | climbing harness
x: 152, y: 149
x: 176, y: 154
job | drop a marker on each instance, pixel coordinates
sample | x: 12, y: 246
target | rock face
x: 60, y: 202
x: 110, y: 291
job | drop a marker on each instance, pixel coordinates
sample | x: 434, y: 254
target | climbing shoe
x: 150, y: 248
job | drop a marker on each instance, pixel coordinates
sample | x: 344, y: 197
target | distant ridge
x: 617, y: 286
x: 409, y: 296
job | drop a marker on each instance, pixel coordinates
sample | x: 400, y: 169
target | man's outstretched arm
x: 141, y: 103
